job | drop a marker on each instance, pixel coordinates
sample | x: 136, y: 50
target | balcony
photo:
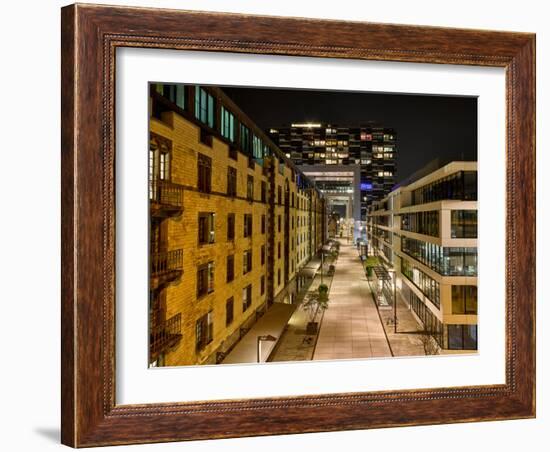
x: 164, y: 335
x: 166, y: 198
x: 166, y: 267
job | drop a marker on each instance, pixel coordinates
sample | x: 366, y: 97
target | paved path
x: 351, y: 327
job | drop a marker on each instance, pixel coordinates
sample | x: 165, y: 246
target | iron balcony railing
x: 166, y: 193
x: 166, y: 262
x: 164, y: 335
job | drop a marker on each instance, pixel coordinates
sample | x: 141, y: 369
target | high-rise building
x: 232, y: 222
x: 427, y: 232
x: 351, y: 165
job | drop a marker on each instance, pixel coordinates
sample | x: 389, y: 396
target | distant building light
x: 306, y: 124
x: 273, y: 131
x: 366, y: 186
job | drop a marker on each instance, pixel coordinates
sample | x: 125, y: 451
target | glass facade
x: 426, y: 223
x: 460, y: 185
x: 464, y: 299
x: 204, y: 107
x: 462, y: 337
x: 431, y: 323
x: 447, y: 261
x: 227, y: 124
x: 427, y: 285
x: 174, y: 93
x: 464, y: 224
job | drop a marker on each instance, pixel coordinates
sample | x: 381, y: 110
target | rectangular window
x: 247, y: 225
x: 250, y: 188
x: 464, y: 299
x: 262, y: 285
x: 247, y: 261
x: 263, y: 224
x: 279, y: 195
x: 229, y: 311
x: 230, y: 268
x: 204, y: 107
x: 279, y: 223
x: 174, y: 93
x: 462, y: 337
x: 264, y: 191
x: 205, y: 279
x: 227, y: 123
x: 464, y: 224
x: 279, y: 277
x: 246, y: 142
x: 206, y: 228
x: 204, y: 331
x: 231, y: 181
x: 279, y: 250
x: 247, y: 297
x: 204, y: 184
x: 263, y: 255
x: 230, y: 226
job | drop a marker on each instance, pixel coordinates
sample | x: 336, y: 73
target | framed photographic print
x: 268, y: 228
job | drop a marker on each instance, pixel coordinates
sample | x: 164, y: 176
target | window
x: 425, y: 283
x: 279, y: 195
x: 227, y: 124
x: 247, y: 225
x: 262, y: 285
x: 231, y: 181
x: 230, y: 268
x: 464, y: 299
x: 421, y: 222
x: 204, y: 107
x: 279, y: 250
x: 204, y: 331
x: 247, y: 297
x: 247, y: 261
x: 246, y: 142
x: 205, y: 279
x: 229, y: 311
x: 263, y: 255
x: 263, y: 223
x: 264, y: 191
x: 279, y: 277
x: 174, y: 93
x: 231, y: 226
x: 464, y: 224
x: 279, y: 223
x: 205, y: 173
x: 250, y: 188
x: 206, y: 228
x: 462, y: 337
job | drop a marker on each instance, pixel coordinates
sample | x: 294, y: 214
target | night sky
x: 427, y: 127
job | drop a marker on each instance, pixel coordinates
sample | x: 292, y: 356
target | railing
x: 166, y: 193
x: 164, y: 335
x: 166, y: 262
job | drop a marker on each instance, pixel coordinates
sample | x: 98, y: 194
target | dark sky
x: 427, y: 127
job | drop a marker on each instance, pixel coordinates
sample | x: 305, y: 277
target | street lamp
x: 266, y: 337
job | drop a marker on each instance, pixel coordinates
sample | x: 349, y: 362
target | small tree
x: 314, y: 303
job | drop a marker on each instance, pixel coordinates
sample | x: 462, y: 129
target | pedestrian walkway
x: 351, y: 326
x: 271, y: 323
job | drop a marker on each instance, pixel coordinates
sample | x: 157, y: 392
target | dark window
x: 204, y: 331
x: 262, y: 285
x: 279, y: 223
x: 279, y: 250
x: 205, y: 279
x: 206, y: 228
x: 174, y: 93
x: 231, y: 181
x: 263, y: 223
x: 279, y: 277
x: 230, y: 226
x: 247, y: 261
x: 464, y: 224
x: 229, y: 311
x: 227, y: 124
x: 247, y: 225
x: 204, y: 107
x: 464, y: 299
x: 205, y: 173
x: 263, y: 255
x: 264, y: 191
x: 279, y: 195
x: 462, y: 337
x: 247, y: 297
x: 420, y: 222
x: 246, y: 141
x: 250, y: 188
x: 230, y: 268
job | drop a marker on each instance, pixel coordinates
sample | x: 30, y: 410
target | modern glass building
x: 427, y: 232
x: 351, y: 165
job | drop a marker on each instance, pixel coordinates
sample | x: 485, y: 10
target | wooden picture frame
x: 90, y: 36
